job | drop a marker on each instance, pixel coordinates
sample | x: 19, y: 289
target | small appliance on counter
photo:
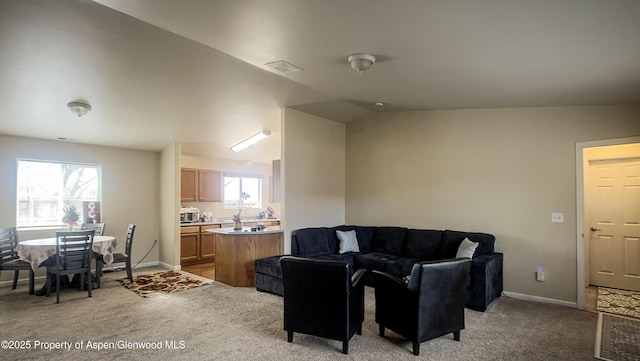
x: 189, y: 215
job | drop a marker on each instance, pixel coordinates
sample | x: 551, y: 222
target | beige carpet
x: 219, y: 322
x: 620, y: 302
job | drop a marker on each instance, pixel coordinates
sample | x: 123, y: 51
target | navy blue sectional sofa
x: 394, y: 250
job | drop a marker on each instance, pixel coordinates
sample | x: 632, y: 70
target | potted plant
x: 71, y: 215
x: 237, y: 220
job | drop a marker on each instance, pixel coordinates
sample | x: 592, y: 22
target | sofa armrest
x: 485, y: 280
x: 358, y: 277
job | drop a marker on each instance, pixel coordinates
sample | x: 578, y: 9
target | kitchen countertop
x: 245, y: 230
x: 229, y: 222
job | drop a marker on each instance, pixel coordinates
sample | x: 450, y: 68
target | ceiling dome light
x: 78, y: 108
x: 361, y: 62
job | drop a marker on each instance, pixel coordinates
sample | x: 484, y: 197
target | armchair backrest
x: 316, y: 296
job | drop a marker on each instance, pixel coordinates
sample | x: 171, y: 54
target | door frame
x: 580, y: 216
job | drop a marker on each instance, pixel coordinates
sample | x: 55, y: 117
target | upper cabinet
x: 200, y: 185
x: 209, y: 185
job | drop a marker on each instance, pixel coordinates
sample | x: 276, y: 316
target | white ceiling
x: 163, y: 71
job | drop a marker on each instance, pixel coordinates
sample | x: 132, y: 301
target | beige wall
x: 500, y: 171
x: 169, y: 206
x: 313, y: 172
x: 129, y: 187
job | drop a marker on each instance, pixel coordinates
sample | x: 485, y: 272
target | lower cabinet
x: 197, y: 245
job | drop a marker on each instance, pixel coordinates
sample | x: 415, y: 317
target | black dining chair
x: 99, y: 227
x: 9, y: 260
x: 118, y: 257
x: 73, y: 256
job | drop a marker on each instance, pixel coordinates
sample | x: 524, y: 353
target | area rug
x: 620, y: 302
x: 148, y: 285
x: 617, y: 338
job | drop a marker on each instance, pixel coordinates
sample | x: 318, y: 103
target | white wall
x: 129, y: 187
x: 500, y: 171
x: 313, y: 169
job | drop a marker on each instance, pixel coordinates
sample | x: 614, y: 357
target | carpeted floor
x: 219, y: 322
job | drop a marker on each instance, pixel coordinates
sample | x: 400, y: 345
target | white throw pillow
x: 466, y: 249
x: 348, y: 241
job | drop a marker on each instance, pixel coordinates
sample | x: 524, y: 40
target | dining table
x: 38, y: 251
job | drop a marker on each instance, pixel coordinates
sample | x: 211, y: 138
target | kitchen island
x: 236, y: 250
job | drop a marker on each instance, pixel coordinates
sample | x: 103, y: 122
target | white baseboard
x: 552, y: 301
x: 170, y: 267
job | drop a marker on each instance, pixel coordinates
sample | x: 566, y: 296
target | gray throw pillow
x: 466, y: 249
x: 348, y: 241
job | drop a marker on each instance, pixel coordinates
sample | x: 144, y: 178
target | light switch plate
x: 557, y: 217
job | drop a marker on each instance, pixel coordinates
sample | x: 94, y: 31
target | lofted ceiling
x: 192, y: 71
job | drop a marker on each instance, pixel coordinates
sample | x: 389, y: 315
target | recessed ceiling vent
x: 282, y: 66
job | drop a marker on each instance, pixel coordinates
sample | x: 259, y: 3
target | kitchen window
x: 45, y: 188
x: 234, y: 186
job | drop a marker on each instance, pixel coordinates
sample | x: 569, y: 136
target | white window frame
x: 254, y: 201
x: 59, y: 198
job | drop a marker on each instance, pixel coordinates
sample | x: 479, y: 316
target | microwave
x: 189, y: 215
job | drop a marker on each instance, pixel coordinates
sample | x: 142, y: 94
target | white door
x: 613, y: 197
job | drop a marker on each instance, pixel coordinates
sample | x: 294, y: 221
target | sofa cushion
x: 365, y: 236
x: 388, y: 240
x: 346, y: 257
x: 451, y: 241
x: 372, y: 261
x: 312, y: 242
x: 348, y: 241
x: 400, y: 267
x: 466, y: 249
x: 423, y: 244
x: 269, y: 266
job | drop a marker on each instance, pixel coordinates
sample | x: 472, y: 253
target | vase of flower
x: 237, y: 221
x: 70, y: 215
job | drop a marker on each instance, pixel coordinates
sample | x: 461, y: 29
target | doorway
x: 585, y: 151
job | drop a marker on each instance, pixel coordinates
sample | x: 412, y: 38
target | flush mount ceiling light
x: 79, y: 108
x: 282, y: 66
x: 361, y: 62
x: 251, y: 140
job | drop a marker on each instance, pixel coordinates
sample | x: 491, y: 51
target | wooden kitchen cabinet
x: 188, y: 185
x: 197, y: 245
x: 200, y: 185
x: 209, y: 185
x: 189, y: 245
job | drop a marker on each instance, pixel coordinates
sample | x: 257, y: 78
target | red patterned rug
x: 148, y: 285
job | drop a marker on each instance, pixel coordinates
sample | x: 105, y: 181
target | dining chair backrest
x: 74, y: 249
x: 130, y: 230
x: 99, y: 227
x: 8, y: 244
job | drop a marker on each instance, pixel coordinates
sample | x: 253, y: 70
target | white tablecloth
x: 36, y: 251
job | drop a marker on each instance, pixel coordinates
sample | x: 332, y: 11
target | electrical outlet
x: 540, y: 274
x: 557, y: 217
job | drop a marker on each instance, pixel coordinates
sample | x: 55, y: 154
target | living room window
x: 234, y: 186
x: 45, y: 188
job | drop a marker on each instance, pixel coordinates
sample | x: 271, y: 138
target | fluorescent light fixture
x: 251, y: 140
